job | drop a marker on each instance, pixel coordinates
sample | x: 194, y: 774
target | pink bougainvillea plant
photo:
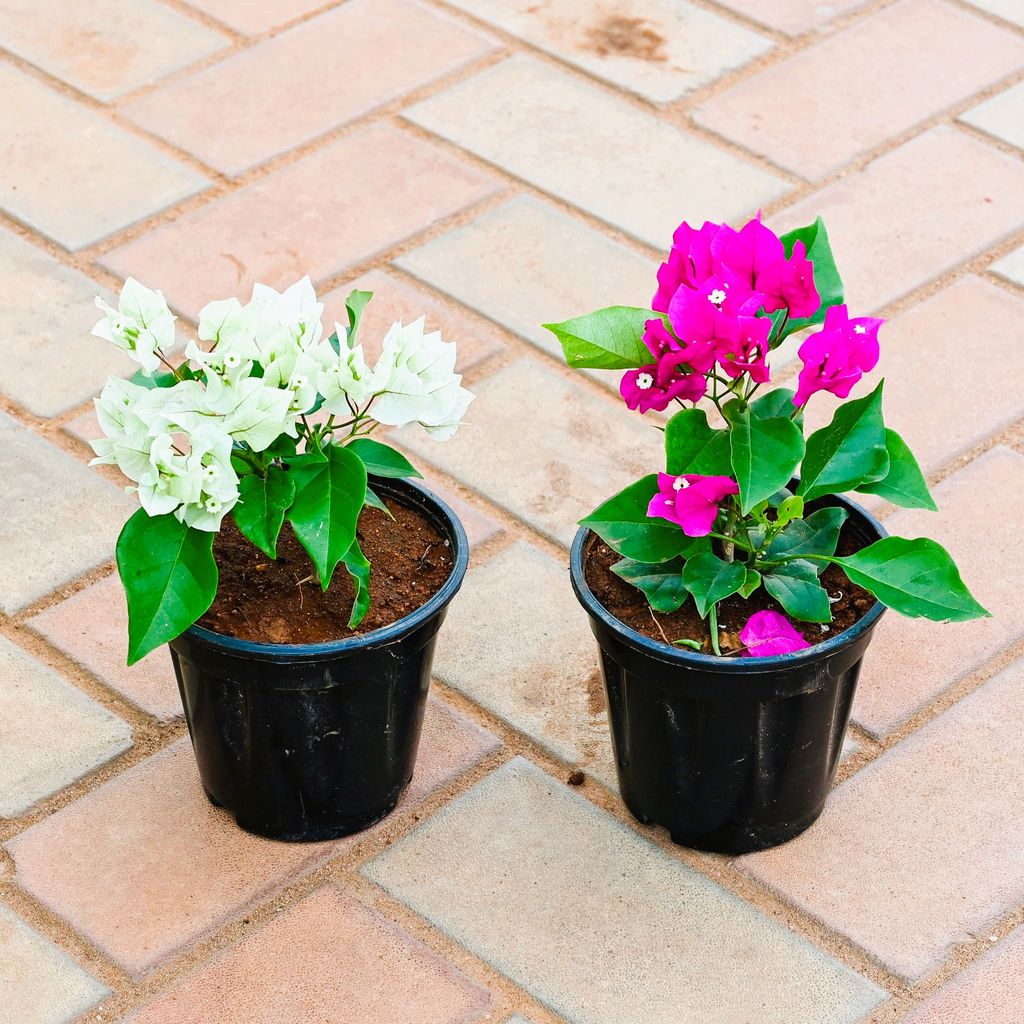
x: 725, y: 516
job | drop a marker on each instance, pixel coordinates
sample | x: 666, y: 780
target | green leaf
x: 372, y: 500
x: 776, y: 403
x: 694, y: 645
x: 791, y: 508
x: 691, y: 446
x: 764, y: 454
x: 381, y: 459
x: 169, y: 576
x: 354, y: 306
x: 904, y: 484
x: 826, y: 277
x: 330, y: 487
x: 795, y: 586
x: 261, y: 507
x: 359, y: 569
x: 818, y: 534
x: 710, y: 580
x: 622, y: 523
x: 750, y: 583
x: 662, y: 584
x: 849, y: 452
x: 608, y: 339
x: 913, y: 577
x: 283, y: 448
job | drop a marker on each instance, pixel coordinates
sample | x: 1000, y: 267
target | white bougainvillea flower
x: 416, y: 381
x: 343, y: 373
x: 224, y: 369
x: 285, y: 324
x: 142, y: 325
x: 231, y: 326
x: 249, y: 412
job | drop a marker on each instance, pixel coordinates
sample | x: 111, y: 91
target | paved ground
x: 499, y: 163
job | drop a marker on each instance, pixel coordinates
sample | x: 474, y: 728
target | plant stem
x: 713, y: 626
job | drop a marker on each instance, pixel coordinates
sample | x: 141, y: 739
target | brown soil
x: 630, y: 606
x: 280, y: 602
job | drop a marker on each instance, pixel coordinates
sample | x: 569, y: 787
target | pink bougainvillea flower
x: 673, y: 356
x: 641, y: 390
x: 709, y: 311
x: 689, y: 261
x: 745, y: 349
x: 691, y: 500
x: 770, y: 633
x: 838, y: 355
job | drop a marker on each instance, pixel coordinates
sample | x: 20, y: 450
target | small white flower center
x: 211, y: 472
x: 860, y: 329
x: 298, y: 382
x: 231, y: 360
x: 644, y: 381
x: 679, y: 483
x: 212, y: 506
x: 716, y: 297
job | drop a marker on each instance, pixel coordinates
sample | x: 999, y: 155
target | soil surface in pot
x: 280, y: 602
x: 630, y: 606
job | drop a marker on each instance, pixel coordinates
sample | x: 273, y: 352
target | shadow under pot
x: 729, y: 754
x: 316, y: 741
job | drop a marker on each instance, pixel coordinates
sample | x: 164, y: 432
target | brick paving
x: 495, y: 165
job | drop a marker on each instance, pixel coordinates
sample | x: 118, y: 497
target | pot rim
x: 683, y: 657
x: 394, y: 487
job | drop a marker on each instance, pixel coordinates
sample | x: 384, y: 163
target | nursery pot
x: 729, y: 754
x: 306, y: 742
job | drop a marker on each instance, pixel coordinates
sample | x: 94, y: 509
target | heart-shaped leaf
x: 607, y: 339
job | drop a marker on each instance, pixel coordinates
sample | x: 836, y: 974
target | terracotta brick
x: 543, y: 676
x: 794, y: 17
x: 235, y: 114
x: 923, y: 400
x: 599, y: 924
x: 552, y: 267
x: 39, y: 983
x: 920, y: 850
x: 106, y: 47
x: 912, y: 661
x: 72, y: 174
x: 59, y: 519
x: 544, y: 447
x: 991, y: 991
x: 661, y: 49
x: 479, y: 527
x: 51, y: 733
x: 330, y: 959
x: 1008, y: 9
x: 317, y: 216
x: 256, y: 16
x: 544, y: 125
x: 51, y: 363
x: 394, y: 299
x: 1002, y: 116
x: 870, y: 82
x: 91, y: 627
x: 915, y: 213
x: 145, y: 866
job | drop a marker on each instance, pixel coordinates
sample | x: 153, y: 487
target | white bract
x: 142, y: 325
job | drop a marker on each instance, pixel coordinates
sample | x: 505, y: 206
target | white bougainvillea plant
x: 722, y: 518
x: 231, y: 430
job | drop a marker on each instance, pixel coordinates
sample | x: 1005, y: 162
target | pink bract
x: 769, y: 633
x: 689, y: 261
x: 691, y: 501
x: 838, y: 355
x: 641, y: 390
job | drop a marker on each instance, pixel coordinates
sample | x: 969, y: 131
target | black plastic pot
x: 729, y: 754
x: 316, y: 741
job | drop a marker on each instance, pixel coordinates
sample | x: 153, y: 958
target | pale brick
x: 575, y: 141
x: 546, y: 448
x: 333, y: 960
x: 91, y: 628
x: 552, y: 267
x: 1011, y: 10
x: 1011, y: 267
x: 72, y: 174
x: 51, y: 362
x: 912, y: 661
x: 106, y: 47
x: 991, y: 991
x: 253, y: 17
x: 144, y: 866
x: 50, y: 733
x: 794, y: 17
x: 920, y: 850
x: 661, y: 49
x: 235, y: 114
x: 870, y: 82
x: 316, y: 216
x: 58, y: 519
x: 38, y: 983
x: 1001, y: 116
x: 543, y: 676
x: 599, y: 924
x: 915, y: 213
